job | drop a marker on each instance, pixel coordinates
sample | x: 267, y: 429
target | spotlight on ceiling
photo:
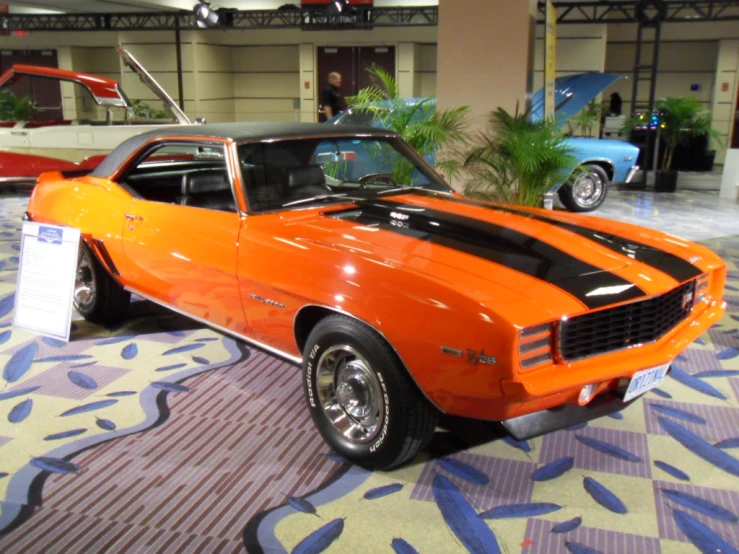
x: 204, y: 16
x: 338, y: 6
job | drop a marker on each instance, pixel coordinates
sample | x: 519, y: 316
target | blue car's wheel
x: 586, y: 189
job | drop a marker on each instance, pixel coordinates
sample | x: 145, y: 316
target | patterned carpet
x: 162, y: 436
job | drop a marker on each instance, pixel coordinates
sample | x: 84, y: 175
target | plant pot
x: 665, y: 181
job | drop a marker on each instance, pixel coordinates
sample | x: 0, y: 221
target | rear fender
x: 96, y: 207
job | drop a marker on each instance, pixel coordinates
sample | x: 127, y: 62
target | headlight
x: 535, y: 345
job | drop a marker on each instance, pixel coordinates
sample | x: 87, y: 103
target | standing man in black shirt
x: 333, y: 103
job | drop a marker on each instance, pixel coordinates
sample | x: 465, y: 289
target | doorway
x: 352, y: 62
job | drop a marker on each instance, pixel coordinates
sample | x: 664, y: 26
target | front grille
x: 624, y: 326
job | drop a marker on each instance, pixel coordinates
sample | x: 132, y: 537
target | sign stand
x: 46, y: 278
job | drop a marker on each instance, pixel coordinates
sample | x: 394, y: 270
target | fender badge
x: 473, y: 356
x: 267, y: 301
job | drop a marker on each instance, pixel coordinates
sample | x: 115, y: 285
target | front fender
x: 430, y: 321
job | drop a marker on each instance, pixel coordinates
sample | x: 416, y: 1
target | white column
x: 724, y: 93
x: 308, y: 108
x: 406, y: 68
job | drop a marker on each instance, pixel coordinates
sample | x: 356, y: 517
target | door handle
x: 133, y: 217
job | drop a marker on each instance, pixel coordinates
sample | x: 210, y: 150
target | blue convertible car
x: 605, y: 161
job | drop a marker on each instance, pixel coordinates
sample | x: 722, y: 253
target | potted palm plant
x: 588, y: 118
x: 416, y: 120
x: 13, y: 108
x: 677, y: 119
x: 518, y: 160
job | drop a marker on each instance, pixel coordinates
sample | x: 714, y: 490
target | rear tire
x: 97, y: 296
x: 585, y: 190
x: 360, y: 396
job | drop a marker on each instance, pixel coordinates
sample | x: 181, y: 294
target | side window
x: 187, y: 174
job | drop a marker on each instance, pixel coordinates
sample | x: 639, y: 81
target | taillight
x: 535, y: 346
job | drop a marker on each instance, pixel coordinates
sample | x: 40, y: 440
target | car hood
x: 527, y: 251
x: 572, y: 93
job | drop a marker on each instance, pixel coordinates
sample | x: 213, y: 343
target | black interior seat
x: 264, y: 185
x: 306, y: 181
x: 208, y: 189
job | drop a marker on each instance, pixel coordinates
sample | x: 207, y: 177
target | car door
x: 181, y: 231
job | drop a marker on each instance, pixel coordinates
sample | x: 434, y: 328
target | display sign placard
x: 46, y: 279
x: 550, y: 59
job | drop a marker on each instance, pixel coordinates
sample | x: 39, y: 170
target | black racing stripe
x: 667, y: 263
x: 512, y: 249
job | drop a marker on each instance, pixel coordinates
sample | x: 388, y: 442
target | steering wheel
x: 377, y: 179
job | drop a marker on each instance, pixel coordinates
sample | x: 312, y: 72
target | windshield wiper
x: 401, y: 189
x: 320, y: 197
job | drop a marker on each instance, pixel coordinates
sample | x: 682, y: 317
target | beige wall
x: 680, y: 65
x: 260, y: 74
x: 484, y: 65
x: 579, y: 48
x: 690, y: 53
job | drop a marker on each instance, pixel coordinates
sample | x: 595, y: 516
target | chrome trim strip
x: 11, y: 180
x: 448, y: 350
x: 257, y: 344
x: 631, y: 173
x: 534, y: 330
x: 105, y: 255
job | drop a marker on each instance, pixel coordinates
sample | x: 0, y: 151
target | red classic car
x: 341, y: 249
x: 29, y: 148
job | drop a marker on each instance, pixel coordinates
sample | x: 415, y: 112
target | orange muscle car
x: 341, y: 249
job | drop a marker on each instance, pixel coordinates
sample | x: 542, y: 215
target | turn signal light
x: 587, y: 393
x: 701, y: 289
x: 535, y: 345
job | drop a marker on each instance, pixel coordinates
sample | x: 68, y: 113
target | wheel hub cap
x: 84, y: 283
x: 350, y: 394
x: 587, y: 189
x: 354, y: 392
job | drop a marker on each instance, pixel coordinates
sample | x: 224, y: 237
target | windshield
x: 352, y: 116
x: 291, y: 173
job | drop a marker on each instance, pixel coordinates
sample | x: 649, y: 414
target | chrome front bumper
x: 631, y: 174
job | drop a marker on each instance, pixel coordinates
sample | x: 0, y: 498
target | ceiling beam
x: 603, y: 11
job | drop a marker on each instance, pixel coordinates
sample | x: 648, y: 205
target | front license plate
x: 645, y: 380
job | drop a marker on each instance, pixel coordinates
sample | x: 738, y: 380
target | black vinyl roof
x: 239, y: 132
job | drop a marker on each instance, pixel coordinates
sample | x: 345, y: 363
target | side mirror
x: 327, y: 157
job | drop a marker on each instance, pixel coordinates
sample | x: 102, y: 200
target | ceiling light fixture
x: 337, y: 6
x: 204, y: 16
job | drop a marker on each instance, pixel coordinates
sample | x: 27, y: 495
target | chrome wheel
x: 350, y: 393
x: 588, y: 189
x: 84, y: 284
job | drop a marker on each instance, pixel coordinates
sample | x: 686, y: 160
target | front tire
x: 360, y: 396
x: 97, y: 296
x: 585, y: 190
